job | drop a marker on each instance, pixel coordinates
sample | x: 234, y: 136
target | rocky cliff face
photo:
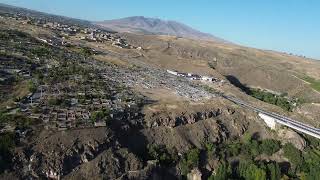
x: 116, y: 152
x: 182, y: 129
x: 58, y: 154
x: 182, y: 118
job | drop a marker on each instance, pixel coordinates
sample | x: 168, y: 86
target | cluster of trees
x: 32, y: 87
x: 160, y: 153
x: 247, y: 167
x: 238, y: 159
x: 303, y: 165
x: 250, y: 148
x: 169, y: 157
x: 8, y: 34
x: 86, y: 51
x: 189, y: 161
x: 18, y: 120
x: 67, y: 70
x: 41, y: 51
x: 102, y: 115
x: 209, y: 89
x: 248, y: 170
x: 270, y: 98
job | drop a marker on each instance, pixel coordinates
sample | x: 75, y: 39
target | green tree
x: 210, y: 149
x: 250, y: 171
x: 193, y: 157
x: 247, y: 137
x: 190, y: 160
x: 274, y: 171
x: 250, y: 149
x: 32, y: 86
x: 293, y: 154
x: 162, y: 154
x: 104, y: 114
x: 269, y: 146
x: 222, y: 173
x: 233, y: 149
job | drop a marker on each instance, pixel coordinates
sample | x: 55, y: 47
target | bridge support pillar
x: 271, y: 122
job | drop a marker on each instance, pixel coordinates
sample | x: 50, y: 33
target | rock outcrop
x: 195, y: 174
x: 290, y: 136
x: 60, y: 153
x: 158, y: 119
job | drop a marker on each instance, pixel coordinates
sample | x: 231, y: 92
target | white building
x: 172, y: 72
x: 206, y: 78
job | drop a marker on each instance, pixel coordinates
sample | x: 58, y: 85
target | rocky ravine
x: 116, y: 152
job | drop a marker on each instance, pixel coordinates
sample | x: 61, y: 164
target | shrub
x: 193, y: 157
x: 41, y: 51
x: 162, y: 154
x: 274, y: 171
x: 250, y: 171
x: 32, y: 86
x: 233, y: 149
x: 210, y: 148
x: 247, y: 137
x: 86, y: 51
x: 104, y: 114
x: 269, y: 146
x: 190, y: 160
x: 223, y: 172
x: 250, y: 149
x: 313, y: 173
x: 312, y: 141
x: 293, y: 154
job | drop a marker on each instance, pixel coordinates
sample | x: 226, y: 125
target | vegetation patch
x: 278, y: 100
x: 282, y: 100
x: 314, y: 83
x: 303, y: 165
x: 190, y: 161
x: 164, y: 156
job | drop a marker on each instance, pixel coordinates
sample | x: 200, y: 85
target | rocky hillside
x: 274, y: 71
x: 143, y: 25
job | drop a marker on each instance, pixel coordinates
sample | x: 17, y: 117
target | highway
x: 296, y: 125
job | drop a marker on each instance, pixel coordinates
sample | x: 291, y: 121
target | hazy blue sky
x: 283, y: 25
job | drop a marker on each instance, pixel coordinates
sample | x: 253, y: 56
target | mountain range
x: 155, y: 26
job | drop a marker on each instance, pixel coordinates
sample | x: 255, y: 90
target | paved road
x: 304, y: 128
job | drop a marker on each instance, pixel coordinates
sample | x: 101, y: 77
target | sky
x: 291, y: 26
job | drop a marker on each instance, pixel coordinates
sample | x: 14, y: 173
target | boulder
x: 290, y: 136
x: 195, y: 174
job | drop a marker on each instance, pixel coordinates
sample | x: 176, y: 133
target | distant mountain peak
x: 145, y: 25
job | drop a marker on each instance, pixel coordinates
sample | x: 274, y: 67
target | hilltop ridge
x: 144, y: 25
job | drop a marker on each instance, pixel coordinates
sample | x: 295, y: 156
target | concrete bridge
x: 272, y: 119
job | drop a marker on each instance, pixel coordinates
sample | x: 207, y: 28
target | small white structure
x: 206, y: 78
x: 172, y: 72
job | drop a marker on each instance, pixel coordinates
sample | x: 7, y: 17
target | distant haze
x: 144, y: 25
